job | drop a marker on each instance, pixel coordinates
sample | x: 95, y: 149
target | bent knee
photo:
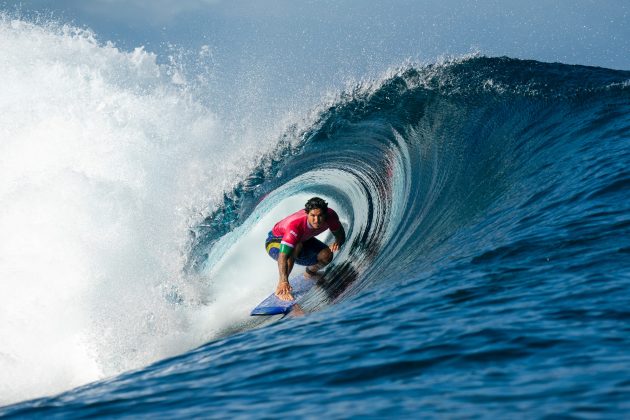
x: 325, y: 256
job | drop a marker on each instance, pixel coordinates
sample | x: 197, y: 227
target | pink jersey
x: 295, y: 228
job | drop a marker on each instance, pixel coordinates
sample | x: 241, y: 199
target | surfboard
x: 273, y: 305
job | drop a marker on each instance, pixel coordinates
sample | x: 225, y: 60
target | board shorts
x: 308, y: 255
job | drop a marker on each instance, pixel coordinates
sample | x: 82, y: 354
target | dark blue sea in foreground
x: 486, y: 273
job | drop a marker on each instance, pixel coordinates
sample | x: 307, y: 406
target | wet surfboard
x: 273, y: 305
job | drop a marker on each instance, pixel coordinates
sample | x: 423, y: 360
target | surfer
x: 292, y: 241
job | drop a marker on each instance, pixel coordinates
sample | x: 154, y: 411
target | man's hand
x: 335, y: 247
x: 283, y: 291
x: 340, y: 238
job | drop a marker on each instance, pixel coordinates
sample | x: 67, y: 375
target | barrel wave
x: 486, y: 271
x: 469, y: 161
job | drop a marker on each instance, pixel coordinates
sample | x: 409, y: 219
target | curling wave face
x: 478, y: 149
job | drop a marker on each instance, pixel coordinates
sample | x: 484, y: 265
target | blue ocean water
x: 486, y: 272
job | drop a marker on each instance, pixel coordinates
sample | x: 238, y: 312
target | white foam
x: 104, y: 162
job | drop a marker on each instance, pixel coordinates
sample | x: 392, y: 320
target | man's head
x: 316, y: 210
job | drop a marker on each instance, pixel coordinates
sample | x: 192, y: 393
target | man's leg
x: 324, y: 257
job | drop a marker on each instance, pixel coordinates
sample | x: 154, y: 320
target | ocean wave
x: 486, y: 206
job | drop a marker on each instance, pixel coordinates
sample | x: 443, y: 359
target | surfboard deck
x: 273, y: 305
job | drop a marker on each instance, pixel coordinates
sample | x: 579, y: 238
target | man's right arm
x: 283, y: 291
x: 283, y: 267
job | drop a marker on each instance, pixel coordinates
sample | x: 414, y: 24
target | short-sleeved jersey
x: 295, y: 228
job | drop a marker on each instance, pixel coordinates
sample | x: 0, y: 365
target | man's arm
x: 340, y: 238
x: 283, y: 291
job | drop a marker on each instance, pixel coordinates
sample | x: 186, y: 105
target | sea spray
x: 105, y: 161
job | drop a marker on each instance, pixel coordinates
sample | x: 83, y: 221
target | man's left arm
x: 340, y: 238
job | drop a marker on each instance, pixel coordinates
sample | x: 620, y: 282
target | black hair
x: 316, y: 203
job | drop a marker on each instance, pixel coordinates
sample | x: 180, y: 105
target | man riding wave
x: 292, y: 241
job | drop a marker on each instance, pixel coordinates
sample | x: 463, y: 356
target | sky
x: 282, y: 49
x: 590, y: 32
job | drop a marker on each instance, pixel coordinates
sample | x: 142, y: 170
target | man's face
x: 316, y: 217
